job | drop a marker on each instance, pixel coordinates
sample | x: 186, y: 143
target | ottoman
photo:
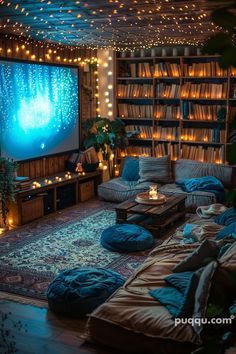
x: 77, y: 292
x: 127, y: 238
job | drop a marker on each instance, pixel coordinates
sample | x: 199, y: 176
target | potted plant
x: 7, y: 187
x: 106, y: 135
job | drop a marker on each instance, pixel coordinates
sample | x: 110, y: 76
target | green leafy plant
x: 106, y: 135
x: 7, y: 186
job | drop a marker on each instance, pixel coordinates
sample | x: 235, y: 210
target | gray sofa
x: 118, y: 190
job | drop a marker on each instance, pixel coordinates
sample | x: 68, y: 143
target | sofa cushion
x: 118, y: 190
x: 130, y: 171
x: 184, y: 168
x: 127, y: 238
x: 79, y: 291
x: 194, y: 199
x: 154, y: 169
x: 207, y: 251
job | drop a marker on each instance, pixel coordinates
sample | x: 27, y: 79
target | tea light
x: 49, y: 181
x: 100, y: 165
x: 59, y: 179
x: 153, y: 192
x: 69, y: 176
x: 83, y: 173
x: 46, y: 181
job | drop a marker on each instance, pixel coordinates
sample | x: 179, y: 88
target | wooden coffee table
x: 149, y: 216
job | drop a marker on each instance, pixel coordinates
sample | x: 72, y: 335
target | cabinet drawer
x: 32, y: 209
x: 86, y: 191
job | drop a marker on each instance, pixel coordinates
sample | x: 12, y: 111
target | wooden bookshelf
x: 188, y: 94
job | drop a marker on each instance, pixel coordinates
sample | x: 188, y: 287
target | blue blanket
x: 206, y: 184
x: 227, y: 217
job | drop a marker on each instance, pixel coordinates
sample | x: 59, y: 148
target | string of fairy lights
x: 110, y: 24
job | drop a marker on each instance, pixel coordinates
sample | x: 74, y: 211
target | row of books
x: 135, y: 111
x: 199, y: 153
x: 189, y: 90
x: 136, y: 151
x: 204, y: 135
x: 167, y: 69
x: 22, y: 183
x: 168, y: 91
x: 204, y: 69
x: 204, y: 90
x: 144, y: 131
x: 164, y: 133
x: 134, y: 90
x: 167, y: 112
x: 167, y: 149
x: 194, y: 111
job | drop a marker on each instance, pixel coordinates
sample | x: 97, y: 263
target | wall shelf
x: 170, y: 75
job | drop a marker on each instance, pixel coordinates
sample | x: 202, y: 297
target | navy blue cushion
x: 127, y: 238
x: 79, y: 291
x: 227, y: 231
x: 130, y: 170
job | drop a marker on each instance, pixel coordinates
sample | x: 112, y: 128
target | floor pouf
x: 127, y: 238
x: 79, y: 291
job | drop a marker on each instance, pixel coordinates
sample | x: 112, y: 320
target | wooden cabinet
x: 32, y: 209
x: 86, y: 191
x: 36, y: 202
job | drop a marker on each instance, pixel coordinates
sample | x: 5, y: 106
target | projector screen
x: 38, y: 109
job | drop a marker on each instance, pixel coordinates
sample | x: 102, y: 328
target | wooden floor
x: 46, y: 332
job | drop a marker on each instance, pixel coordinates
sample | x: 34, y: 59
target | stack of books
x: 204, y: 69
x: 167, y: 91
x: 205, y: 135
x: 22, y: 183
x: 134, y: 90
x: 145, y: 132
x: 164, y: 133
x: 204, y: 90
x: 167, y: 149
x: 167, y: 112
x: 199, y: 153
x: 167, y: 69
x: 194, y: 111
x: 135, y: 111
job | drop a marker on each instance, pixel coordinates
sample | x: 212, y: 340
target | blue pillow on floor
x: 130, y: 170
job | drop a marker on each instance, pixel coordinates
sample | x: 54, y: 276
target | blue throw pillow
x: 228, y: 231
x: 178, y: 298
x: 130, y: 170
x: 227, y: 217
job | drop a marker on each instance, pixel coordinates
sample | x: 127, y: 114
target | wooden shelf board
x: 200, y: 142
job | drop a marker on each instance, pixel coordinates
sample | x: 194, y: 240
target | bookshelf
x: 180, y: 106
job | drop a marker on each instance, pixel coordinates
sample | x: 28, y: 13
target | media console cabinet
x: 54, y: 193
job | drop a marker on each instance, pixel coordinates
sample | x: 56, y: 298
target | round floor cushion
x: 79, y: 291
x: 127, y: 238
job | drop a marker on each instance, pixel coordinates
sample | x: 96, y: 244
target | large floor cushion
x: 127, y: 238
x: 194, y: 199
x: 118, y: 190
x: 144, y: 325
x: 79, y: 291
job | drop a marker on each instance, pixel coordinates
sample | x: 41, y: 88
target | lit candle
x: 153, y: 192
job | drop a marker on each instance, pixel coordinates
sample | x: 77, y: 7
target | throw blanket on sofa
x: 207, y: 184
x: 206, y: 212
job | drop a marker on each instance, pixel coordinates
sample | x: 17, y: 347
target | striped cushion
x: 155, y: 169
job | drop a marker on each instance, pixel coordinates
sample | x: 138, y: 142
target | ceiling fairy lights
x: 111, y: 24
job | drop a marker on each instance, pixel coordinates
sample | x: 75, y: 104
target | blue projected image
x: 38, y: 109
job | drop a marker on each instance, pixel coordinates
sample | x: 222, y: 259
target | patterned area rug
x: 31, y: 257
